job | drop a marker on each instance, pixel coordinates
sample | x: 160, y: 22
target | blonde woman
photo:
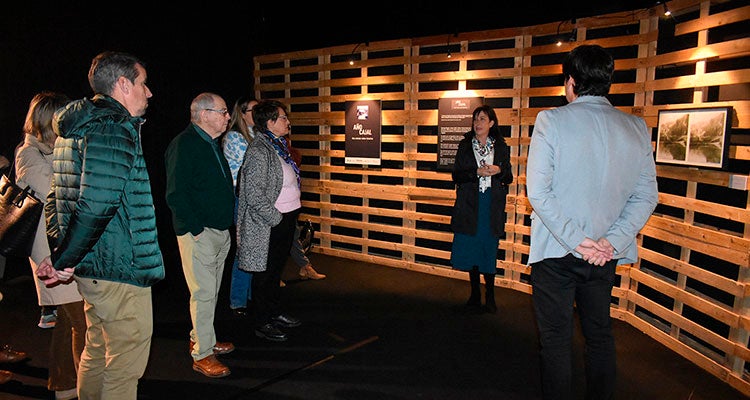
x: 34, y: 168
x: 234, y: 144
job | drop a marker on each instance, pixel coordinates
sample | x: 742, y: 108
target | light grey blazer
x: 259, y: 184
x: 590, y: 173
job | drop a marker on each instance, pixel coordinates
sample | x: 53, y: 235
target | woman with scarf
x: 481, y: 172
x: 269, y: 203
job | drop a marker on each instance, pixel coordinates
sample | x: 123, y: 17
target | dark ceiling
x: 209, y: 46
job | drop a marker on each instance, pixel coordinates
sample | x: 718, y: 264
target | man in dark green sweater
x: 201, y: 196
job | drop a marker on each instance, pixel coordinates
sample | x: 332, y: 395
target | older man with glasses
x: 201, y: 196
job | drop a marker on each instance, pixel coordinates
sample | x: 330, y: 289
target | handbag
x: 19, y: 217
x: 306, y: 235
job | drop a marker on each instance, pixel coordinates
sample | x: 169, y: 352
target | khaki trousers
x: 203, y: 265
x: 119, y: 324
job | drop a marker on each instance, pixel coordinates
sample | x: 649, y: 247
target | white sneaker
x: 66, y: 394
x: 48, y: 321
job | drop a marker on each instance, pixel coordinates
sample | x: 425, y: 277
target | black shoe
x: 270, y: 332
x: 286, y: 321
x: 240, y: 312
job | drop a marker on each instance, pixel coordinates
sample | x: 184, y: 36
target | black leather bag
x: 306, y: 235
x: 19, y: 217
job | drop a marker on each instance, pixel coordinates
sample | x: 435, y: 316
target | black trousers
x: 266, y: 290
x: 558, y: 284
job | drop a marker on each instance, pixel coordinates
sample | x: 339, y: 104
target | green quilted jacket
x: 104, y: 215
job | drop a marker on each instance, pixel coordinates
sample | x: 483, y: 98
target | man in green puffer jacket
x: 105, y: 225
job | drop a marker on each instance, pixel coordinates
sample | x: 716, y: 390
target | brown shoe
x: 5, y: 376
x: 223, y: 347
x: 219, y: 347
x: 308, y: 272
x: 211, y: 367
x: 8, y: 355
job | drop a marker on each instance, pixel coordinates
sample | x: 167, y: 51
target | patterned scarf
x: 279, y: 143
x: 484, y: 154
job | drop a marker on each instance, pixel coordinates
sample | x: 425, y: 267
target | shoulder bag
x: 19, y: 216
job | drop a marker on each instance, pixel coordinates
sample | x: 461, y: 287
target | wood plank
x: 706, y: 207
x: 719, y: 312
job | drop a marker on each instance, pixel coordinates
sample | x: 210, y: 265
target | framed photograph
x: 697, y: 137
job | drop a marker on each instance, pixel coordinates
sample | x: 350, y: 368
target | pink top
x: 289, y: 198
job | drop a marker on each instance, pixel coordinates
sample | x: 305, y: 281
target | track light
x: 666, y: 10
x: 448, y: 45
x: 352, y: 57
x: 666, y: 13
x: 570, y: 38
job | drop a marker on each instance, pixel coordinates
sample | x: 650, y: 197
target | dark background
x: 209, y: 46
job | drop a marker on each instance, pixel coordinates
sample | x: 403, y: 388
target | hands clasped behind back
x: 50, y: 276
x: 596, y: 252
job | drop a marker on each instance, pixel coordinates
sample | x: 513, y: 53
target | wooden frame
x: 695, y: 137
x: 691, y: 286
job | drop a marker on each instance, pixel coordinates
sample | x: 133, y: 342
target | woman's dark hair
x: 264, y: 111
x: 494, y: 130
x: 591, y: 68
x: 42, y: 108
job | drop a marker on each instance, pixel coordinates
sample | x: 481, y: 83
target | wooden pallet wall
x: 691, y: 288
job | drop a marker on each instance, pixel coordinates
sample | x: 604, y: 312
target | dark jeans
x: 265, y: 285
x: 557, y: 283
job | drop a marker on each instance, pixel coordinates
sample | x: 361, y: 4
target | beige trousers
x: 203, y: 265
x: 119, y: 324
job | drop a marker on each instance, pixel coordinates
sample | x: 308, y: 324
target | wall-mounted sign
x: 362, y: 131
x: 454, y: 120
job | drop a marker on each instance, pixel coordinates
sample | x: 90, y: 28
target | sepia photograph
x: 694, y: 137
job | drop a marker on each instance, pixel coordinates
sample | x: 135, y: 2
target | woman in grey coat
x: 269, y: 203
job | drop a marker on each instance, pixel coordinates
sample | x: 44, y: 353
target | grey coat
x: 259, y: 184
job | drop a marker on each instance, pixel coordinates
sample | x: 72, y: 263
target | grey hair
x: 201, y: 102
x: 107, y: 67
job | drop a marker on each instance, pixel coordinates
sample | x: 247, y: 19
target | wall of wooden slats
x: 691, y: 288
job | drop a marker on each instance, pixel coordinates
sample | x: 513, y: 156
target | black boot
x: 474, y: 299
x: 489, y: 293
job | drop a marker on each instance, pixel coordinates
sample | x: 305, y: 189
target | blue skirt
x: 478, y: 250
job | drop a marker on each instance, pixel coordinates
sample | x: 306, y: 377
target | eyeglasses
x: 223, y: 111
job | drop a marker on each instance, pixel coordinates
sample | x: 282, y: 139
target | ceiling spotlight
x: 666, y: 10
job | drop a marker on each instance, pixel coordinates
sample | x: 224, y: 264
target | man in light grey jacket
x: 591, y: 181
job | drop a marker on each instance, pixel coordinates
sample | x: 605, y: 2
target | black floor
x: 369, y: 332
